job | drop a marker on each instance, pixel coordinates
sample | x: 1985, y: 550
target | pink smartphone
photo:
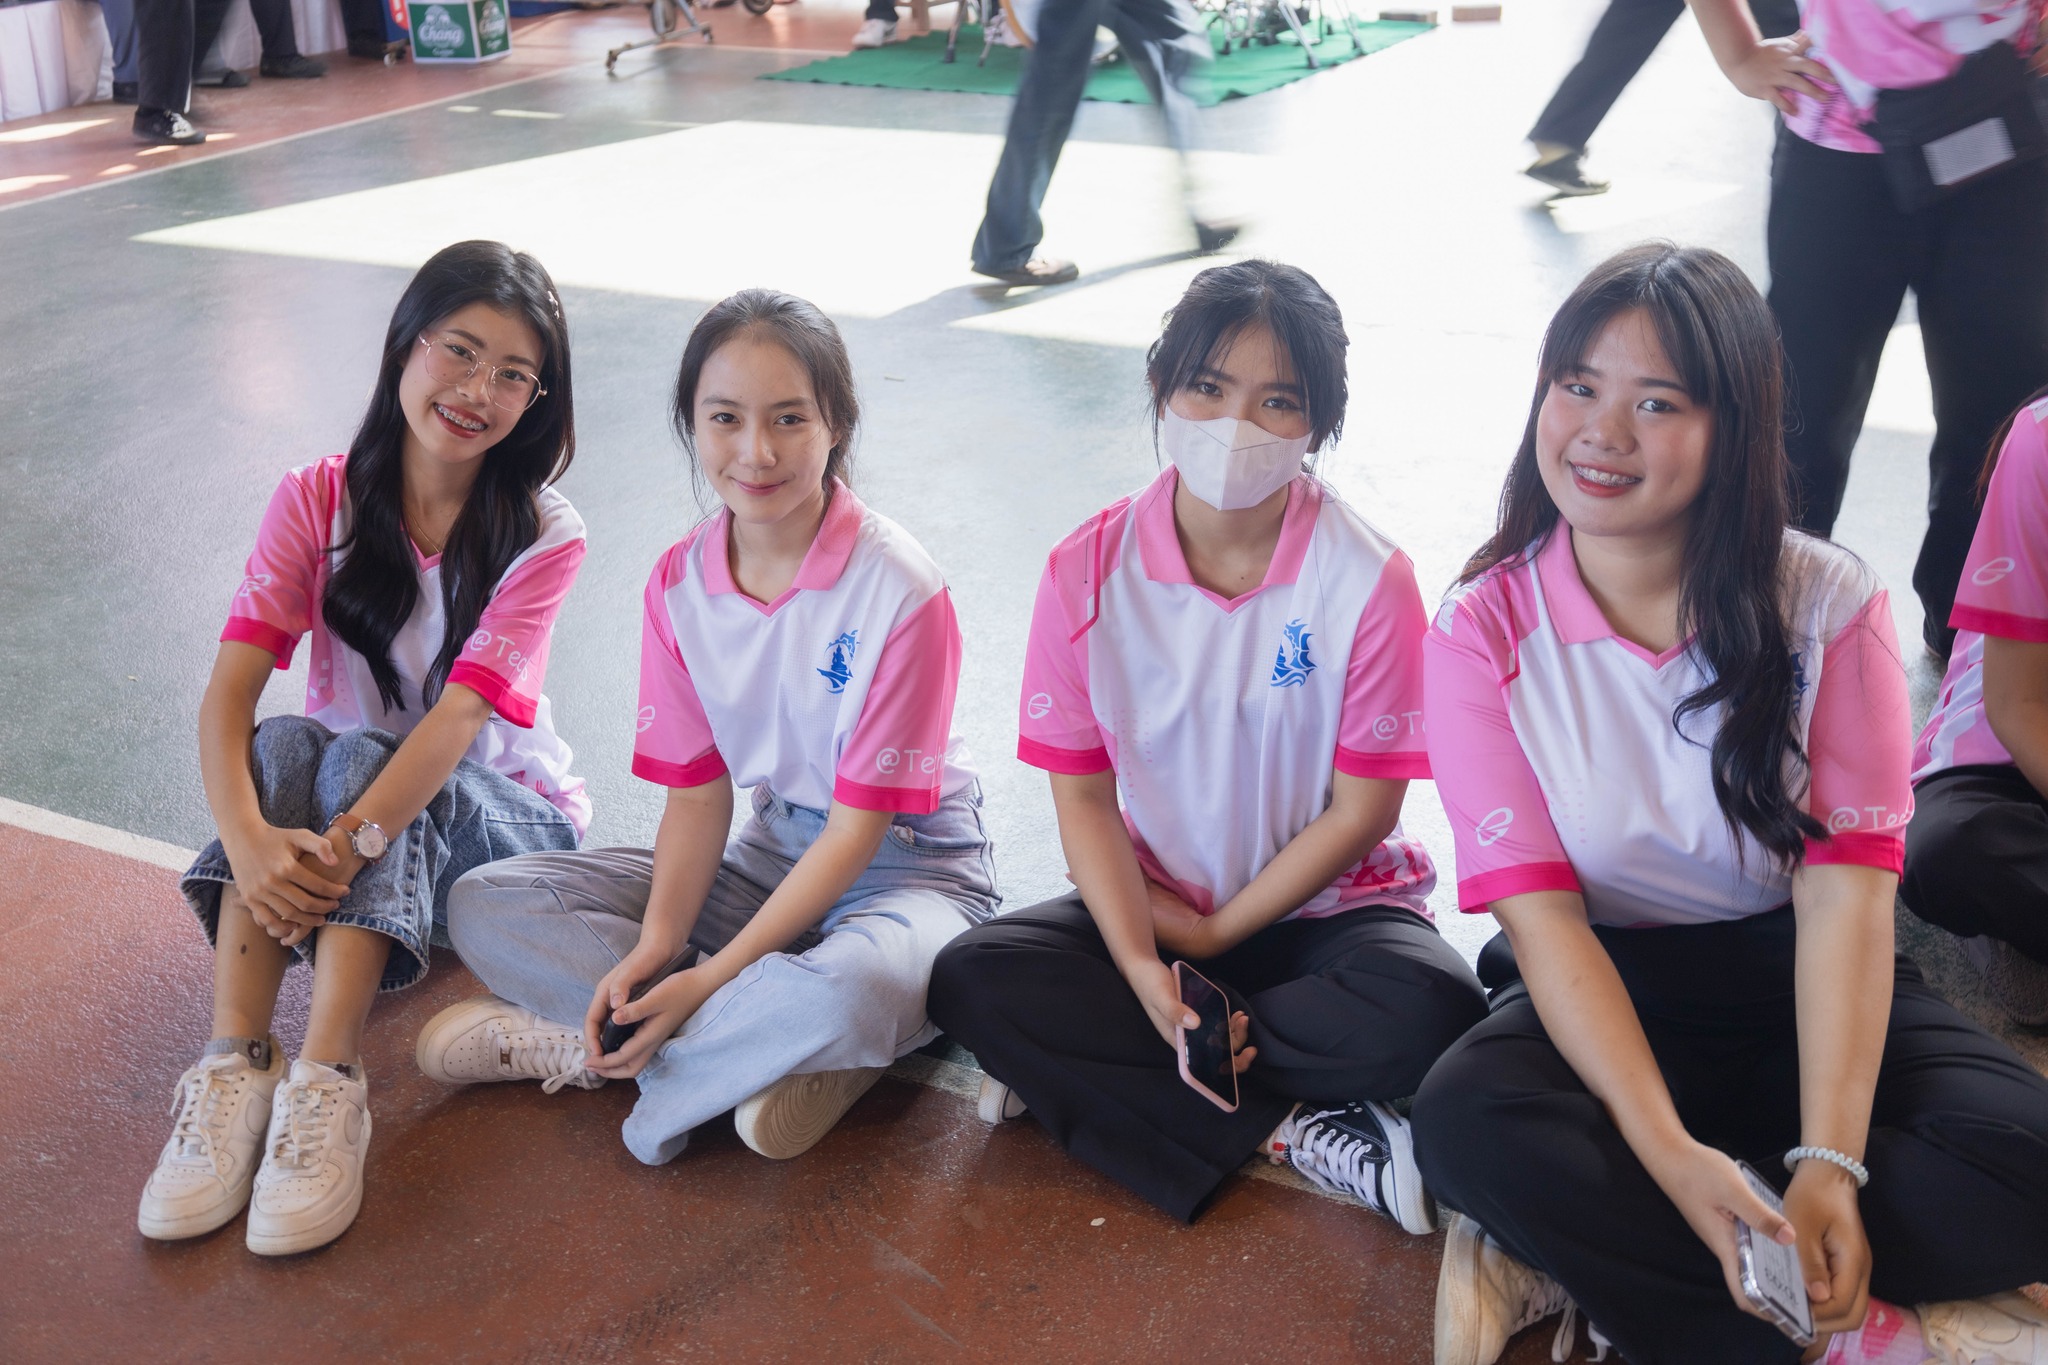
x: 1206, y: 1061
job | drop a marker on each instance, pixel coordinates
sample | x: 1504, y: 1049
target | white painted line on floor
x: 106, y: 839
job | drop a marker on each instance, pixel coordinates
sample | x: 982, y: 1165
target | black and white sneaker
x: 1364, y: 1150
x: 1566, y: 176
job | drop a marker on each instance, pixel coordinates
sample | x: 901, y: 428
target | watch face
x: 369, y: 842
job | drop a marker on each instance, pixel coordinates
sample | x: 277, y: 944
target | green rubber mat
x: 920, y: 64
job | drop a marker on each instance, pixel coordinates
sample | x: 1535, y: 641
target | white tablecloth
x: 53, y: 54
x: 317, y: 23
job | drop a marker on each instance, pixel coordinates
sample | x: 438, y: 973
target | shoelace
x: 305, y: 1128
x: 551, y: 1056
x: 200, y: 1109
x: 1336, y: 1159
x: 1567, y: 1337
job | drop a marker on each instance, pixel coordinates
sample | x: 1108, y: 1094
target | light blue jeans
x: 306, y: 774
x: 544, y: 929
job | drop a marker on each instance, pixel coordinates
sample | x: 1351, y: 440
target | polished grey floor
x: 175, y: 342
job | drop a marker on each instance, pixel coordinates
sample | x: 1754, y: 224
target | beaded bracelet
x: 1847, y: 1163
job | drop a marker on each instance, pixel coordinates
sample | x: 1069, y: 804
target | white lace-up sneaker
x: 1484, y: 1296
x: 789, y: 1117
x: 1363, y: 1150
x: 2008, y: 1329
x: 488, y: 1039
x: 997, y: 1103
x: 202, y: 1177
x: 311, y: 1183
x: 874, y: 32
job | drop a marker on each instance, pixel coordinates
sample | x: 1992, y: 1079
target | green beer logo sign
x: 439, y: 32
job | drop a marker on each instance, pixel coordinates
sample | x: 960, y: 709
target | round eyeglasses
x: 452, y: 361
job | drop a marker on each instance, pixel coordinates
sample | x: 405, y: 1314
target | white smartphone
x: 1772, y: 1280
x: 1206, y: 1061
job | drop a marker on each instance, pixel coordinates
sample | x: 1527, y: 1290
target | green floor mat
x: 920, y: 64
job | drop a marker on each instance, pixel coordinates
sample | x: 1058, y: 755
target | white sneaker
x: 2019, y: 983
x: 874, y: 32
x: 1361, y: 1149
x: 202, y: 1177
x: 789, y: 1117
x: 488, y: 1039
x: 2005, y: 1328
x: 311, y: 1182
x: 1484, y: 1296
x: 997, y: 1102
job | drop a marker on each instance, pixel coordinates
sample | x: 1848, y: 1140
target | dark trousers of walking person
x: 167, y: 39
x: 1628, y: 32
x: 1977, y: 856
x: 1351, y: 1007
x: 1162, y: 40
x: 1507, y: 1133
x: 273, y: 25
x: 1842, y: 257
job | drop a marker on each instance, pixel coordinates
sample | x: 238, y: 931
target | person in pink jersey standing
x: 424, y: 568
x: 1977, y: 850
x: 800, y: 644
x: 1959, y: 219
x: 1672, y: 737
x: 1223, y: 681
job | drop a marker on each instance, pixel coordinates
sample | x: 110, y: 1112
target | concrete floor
x: 257, y: 276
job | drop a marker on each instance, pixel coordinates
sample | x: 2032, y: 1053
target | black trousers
x: 1977, y: 856
x: 172, y: 37
x: 273, y: 25
x: 1842, y: 258
x: 1353, y: 1007
x: 1622, y: 41
x: 1957, y: 1204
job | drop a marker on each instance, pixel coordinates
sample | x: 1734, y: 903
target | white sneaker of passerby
x: 874, y: 32
x: 792, y: 1115
x: 310, y: 1185
x: 203, y: 1175
x: 2005, y: 1329
x: 1363, y: 1150
x: 997, y: 1103
x: 1484, y: 1296
x: 489, y: 1039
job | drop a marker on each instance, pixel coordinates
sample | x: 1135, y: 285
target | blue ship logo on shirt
x: 1293, y: 665
x: 1798, y: 673
x: 841, y: 672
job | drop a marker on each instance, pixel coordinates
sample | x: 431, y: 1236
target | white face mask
x: 1229, y: 463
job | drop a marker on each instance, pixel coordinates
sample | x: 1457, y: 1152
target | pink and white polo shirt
x: 1223, y: 718
x: 2004, y: 592
x: 841, y: 689
x: 1873, y: 45
x: 1561, y: 770
x: 504, y: 661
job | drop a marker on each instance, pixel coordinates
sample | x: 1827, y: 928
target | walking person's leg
x: 1628, y: 32
x: 1165, y: 43
x: 1840, y: 256
x: 163, y: 36
x: 1983, y: 298
x: 1048, y: 94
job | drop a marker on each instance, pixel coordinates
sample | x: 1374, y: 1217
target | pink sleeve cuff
x: 1413, y: 767
x: 695, y: 773
x: 1885, y: 852
x: 521, y: 711
x: 250, y: 631
x: 2003, y: 624
x: 1477, y: 892
x: 1072, y: 762
x: 908, y: 800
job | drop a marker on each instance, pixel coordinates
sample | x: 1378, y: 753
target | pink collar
x: 823, y: 562
x: 1159, y: 544
x: 1573, y: 612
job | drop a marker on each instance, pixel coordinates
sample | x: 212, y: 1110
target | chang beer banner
x: 460, y: 31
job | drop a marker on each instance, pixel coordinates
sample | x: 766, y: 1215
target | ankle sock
x: 352, y: 1070
x: 1890, y: 1335
x: 257, y: 1050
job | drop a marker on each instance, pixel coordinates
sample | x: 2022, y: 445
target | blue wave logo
x: 1293, y: 665
x: 840, y: 673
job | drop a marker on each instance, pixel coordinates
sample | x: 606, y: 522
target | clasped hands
x: 291, y: 879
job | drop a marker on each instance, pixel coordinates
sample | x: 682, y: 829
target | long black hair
x: 1998, y: 439
x: 1718, y: 332
x: 375, y: 586
x: 799, y: 327
x: 1224, y: 300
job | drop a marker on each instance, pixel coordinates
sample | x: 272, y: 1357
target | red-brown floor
x: 504, y: 1224
x: 89, y: 144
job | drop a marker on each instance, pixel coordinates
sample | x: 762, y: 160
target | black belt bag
x: 1940, y: 138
